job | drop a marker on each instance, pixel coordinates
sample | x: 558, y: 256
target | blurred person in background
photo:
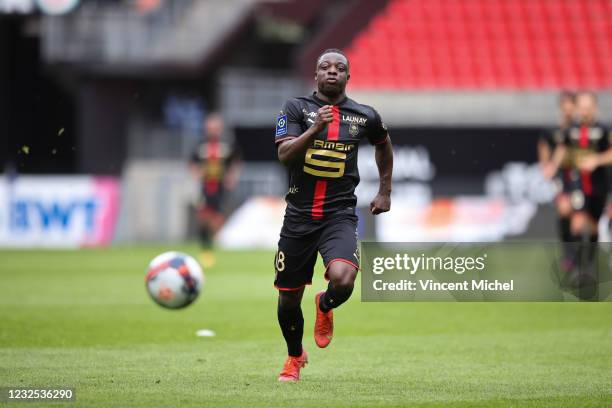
x: 216, y: 162
x: 147, y: 6
x: 582, y: 156
x: 546, y: 145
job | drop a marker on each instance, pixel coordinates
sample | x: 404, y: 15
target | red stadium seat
x: 486, y: 44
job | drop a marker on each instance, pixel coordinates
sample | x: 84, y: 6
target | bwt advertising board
x: 69, y: 212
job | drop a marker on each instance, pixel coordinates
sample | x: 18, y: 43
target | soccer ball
x: 174, y: 280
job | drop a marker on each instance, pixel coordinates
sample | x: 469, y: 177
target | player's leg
x: 584, y: 230
x: 606, y: 229
x: 341, y: 277
x: 338, y: 246
x: 210, y: 220
x: 294, y: 265
x: 564, y: 212
x: 291, y: 319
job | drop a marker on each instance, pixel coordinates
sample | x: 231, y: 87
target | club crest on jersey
x: 281, y: 125
x: 353, y: 130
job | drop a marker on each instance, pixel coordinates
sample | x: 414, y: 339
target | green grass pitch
x: 83, y: 319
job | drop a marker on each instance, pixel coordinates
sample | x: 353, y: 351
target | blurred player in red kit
x: 216, y: 161
x: 547, y: 143
x: 583, y: 155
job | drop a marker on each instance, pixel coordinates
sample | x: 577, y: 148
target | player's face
x: 213, y: 127
x: 567, y: 108
x: 586, y: 107
x: 332, y: 74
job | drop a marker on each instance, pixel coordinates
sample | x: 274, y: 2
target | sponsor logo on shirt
x: 357, y: 120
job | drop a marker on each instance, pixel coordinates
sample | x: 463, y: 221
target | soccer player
x: 546, y: 145
x: 317, y: 138
x: 583, y: 156
x: 216, y: 161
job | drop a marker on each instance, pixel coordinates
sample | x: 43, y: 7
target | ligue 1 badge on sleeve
x: 353, y: 130
x: 281, y: 125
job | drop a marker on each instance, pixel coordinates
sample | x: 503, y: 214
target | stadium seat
x: 486, y: 44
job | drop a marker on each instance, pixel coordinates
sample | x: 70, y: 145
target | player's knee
x: 564, y: 206
x: 581, y: 223
x: 342, y: 275
x: 290, y: 298
x: 576, y: 224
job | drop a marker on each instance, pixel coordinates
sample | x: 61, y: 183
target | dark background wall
x: 36, y: 112
x: 455, y: 151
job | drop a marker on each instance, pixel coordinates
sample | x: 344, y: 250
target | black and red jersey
x: 324, y: 182
x: 214, y: 158
x: 581, y: 140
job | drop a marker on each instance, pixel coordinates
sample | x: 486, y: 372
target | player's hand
x: 380, y: 204
x: 548, y: 170
x: 324, y: 117
x: 588, y: 163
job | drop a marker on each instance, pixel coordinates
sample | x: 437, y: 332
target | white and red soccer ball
x: 174, y: 280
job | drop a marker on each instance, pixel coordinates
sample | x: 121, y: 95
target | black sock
x: 334, y: 297
x: 566, y: 238
x: 592, y: 249
x: 575, y: 252
x: 564, y: 229
x: 291, y: 322
x: 205, y: 237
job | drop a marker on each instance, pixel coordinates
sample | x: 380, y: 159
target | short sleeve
x: 545, y: 136
x: 195, y: 155
x: 604, y: 141
x: 236, y: 153
x: 565, y: 137
x: 288, y: 122
x: 557, y: 137
x: 377, y: 130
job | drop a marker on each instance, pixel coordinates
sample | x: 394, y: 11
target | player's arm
x: 379, y: 137
x: 561, y: 140
x: 384, y: 161
x: 234, y: 170
x: 605, y: 158
x: 592, y: 161
x: 595, y: 160
x: 195, y: 165
x: 293, y: 149
x: 555, y: 162
x: 544, y: 159
x: 544, y: 151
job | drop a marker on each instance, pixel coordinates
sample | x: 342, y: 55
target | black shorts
x: 213, y: 201
x: 334, y: 238
x: 591, y: 204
